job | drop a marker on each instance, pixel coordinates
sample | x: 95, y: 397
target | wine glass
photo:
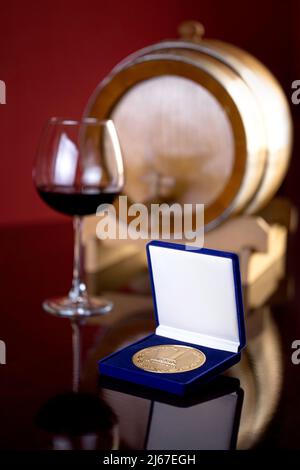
x: 78, y: 167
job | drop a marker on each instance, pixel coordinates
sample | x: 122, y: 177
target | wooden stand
x: 260, y: 241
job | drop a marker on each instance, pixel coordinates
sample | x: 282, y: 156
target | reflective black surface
x: 261, y: 410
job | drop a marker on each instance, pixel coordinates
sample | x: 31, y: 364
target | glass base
x: 65, y: 307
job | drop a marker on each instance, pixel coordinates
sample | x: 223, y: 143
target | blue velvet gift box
x: 197, y: 298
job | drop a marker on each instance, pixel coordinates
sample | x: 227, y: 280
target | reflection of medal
x: 169, y: 359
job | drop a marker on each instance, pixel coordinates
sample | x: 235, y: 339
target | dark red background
x: 53, y: 53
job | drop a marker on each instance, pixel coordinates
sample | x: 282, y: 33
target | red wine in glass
x: 78, y: 167
x: 76, y: 201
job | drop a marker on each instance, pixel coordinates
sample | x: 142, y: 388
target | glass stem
x: 78, y: 291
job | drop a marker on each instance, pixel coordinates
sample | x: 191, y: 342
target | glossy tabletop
x: 255, y: 406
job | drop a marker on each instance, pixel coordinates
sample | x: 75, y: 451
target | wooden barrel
x: 200, y: 121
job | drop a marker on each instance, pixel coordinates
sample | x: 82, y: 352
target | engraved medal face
x: 169, y: 359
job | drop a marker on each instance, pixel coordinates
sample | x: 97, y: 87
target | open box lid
x: 197, y: 295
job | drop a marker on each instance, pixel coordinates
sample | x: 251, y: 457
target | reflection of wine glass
x: 79, y: 421
x: 78, y: 167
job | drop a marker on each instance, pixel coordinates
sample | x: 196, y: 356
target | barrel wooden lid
x: 181, y: 133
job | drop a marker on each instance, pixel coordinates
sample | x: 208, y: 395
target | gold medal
x: 169, y: 359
